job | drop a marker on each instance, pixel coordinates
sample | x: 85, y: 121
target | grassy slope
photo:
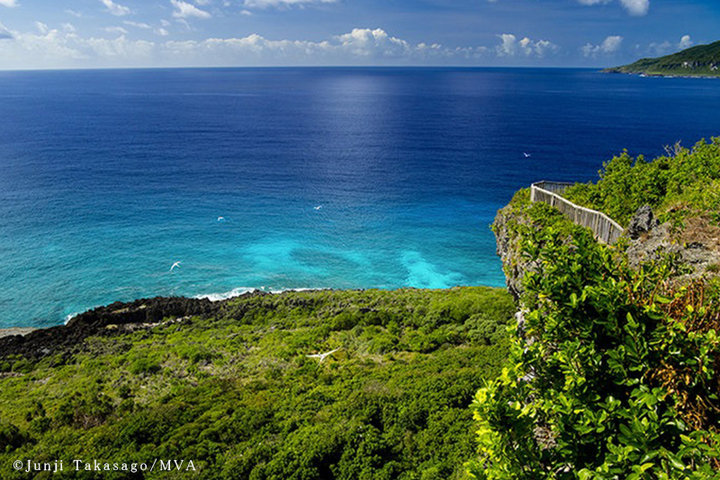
x: 238, y: 395
x: 700, y: 61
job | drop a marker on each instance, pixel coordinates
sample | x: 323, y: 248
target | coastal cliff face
x: 613, y: 344
x: 509, y: 249
x: 696, y: 247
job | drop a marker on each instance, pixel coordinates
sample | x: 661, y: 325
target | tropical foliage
x: 682, y: 184
x: 614, y: 372
x: 700, y: 60
x: 238, y: 395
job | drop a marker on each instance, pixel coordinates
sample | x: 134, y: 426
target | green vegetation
x: 238, y: 395
x: 681, y: 185
x: 614, y: 372
x: 701, y: 60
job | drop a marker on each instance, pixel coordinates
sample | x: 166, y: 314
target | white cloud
x: 361, y: 46
x: 282, y: 3
x: 63, y: 48
x: 685, y: 42
x: 115, y: 8
x: 245, y: 12
x: 510, y: 46
x: 634, y: 7
x: 5, y: 34
x: 666, y: 47
x: 74, y: 13
x: 142, y: 25
x: 44, y: 50
x: 119, y: 49
x: 146, y: 26
x: 365, y: 42
x: 42, y: 28
x: 610, y: 45
x: 187, y: 10
x: 658, y: 49
x: 116, y: 30
x: 8, y: 3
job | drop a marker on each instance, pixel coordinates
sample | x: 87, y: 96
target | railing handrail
x: 607, y: 237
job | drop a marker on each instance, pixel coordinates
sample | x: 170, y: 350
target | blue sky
x: 169, y: 33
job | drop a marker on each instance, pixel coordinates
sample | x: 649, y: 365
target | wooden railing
x: 605, y: 228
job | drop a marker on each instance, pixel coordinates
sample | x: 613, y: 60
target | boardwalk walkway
x: 606, y: 230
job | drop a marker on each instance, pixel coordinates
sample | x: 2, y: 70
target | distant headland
x: 698, y: 61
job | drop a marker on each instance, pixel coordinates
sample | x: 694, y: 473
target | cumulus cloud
x: 634, y: 7
x: 282, y: 3
x: 685, y: 42
x: 666, y: 47
x: 510, y: 46
x: 8, y: 3
x: 610, y: 45
x: 365, y: 42
x: 188, y: 10
x: 116, y: 8
x: 63, y: 48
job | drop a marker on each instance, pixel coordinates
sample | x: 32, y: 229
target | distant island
x: 698, y: 61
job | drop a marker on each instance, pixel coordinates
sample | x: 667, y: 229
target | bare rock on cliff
x: 642, y: 222
x: 515, y: 265
x: 696, y: 247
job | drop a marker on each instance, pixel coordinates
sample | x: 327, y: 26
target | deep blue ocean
x: 295, y: 178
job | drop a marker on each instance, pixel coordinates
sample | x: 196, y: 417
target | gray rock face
x: 642, y: 222
x: 514, y: 264
x: 696, y: 257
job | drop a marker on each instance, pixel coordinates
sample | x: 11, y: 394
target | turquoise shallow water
x: 342, y: 178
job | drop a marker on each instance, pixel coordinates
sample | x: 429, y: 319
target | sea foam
x: 236, y: 292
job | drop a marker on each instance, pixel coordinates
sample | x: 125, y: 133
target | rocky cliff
x: 695, y: 245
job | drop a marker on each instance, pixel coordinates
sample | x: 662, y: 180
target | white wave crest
x: 236, y: 292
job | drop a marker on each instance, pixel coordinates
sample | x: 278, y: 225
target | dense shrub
x: 686, y: 182
x: 238, y: 395
x: 614, y: 373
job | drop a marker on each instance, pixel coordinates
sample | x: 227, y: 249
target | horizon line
x: 278, y: 67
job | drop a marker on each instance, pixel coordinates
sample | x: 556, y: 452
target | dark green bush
x: 603, y: 375
x: 686, y: 182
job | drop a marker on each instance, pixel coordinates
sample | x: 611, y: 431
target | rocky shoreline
x: 9, y: 332
x: 38, y: 343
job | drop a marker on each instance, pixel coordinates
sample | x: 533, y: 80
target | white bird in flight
x: 318, y: 207
x: 322, y: 356
x: 176, y: 264
x: 527, y: 155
